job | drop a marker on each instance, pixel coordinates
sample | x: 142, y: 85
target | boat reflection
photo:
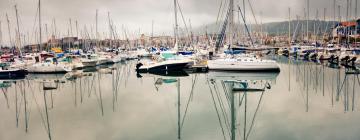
x: 338, y: 84
x: 39, y: 92
x: 231, y: 100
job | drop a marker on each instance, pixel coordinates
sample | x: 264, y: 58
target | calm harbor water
x: 304, y: 101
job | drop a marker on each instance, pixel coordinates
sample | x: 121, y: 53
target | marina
x: 234, y: 78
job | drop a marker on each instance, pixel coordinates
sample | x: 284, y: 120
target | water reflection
x: 214, y: 105
x: 236, y: 87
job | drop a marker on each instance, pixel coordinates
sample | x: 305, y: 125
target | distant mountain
x: 274, y: 28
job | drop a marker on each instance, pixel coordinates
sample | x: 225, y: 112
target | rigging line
x: 252, y: 11
x: 217, y: 111
x: 189, y: 100
x: 241, y: 101
x: 47, y: 115
x: 34, y: 25
x: 186, y: 109
x: 182, y: 16
x: 16, y: 106
x: 255, y: 114
x: 92, y: 85
x: 225, y: 91
x: 342, y: 85
x: 222, y: 107
x: 353, y: 98
x: 246, y: 27
x: 6, y: 97
x: 38, y: 106
x: 219, y: 11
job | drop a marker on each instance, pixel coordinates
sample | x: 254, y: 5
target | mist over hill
x: 274, y: 28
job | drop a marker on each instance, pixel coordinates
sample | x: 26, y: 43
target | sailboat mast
x: 289, y: 28
x: 40, y: 37
x: 9, y: 31
x: 96, y: 28
x: 334, y: 10
x: 1, y: 39
x: 307, y: 19
x: 18, y: 30
x: 110, y: 31
x: 231, y: 25
x: 355, y: 17
x: 176, y: 24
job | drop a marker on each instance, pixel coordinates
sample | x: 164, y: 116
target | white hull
x: 236, y: 65
x: 103, y: 61
x: 117, y: 59
x: 89, y: 63
x: 49, y: 68
x: 228, y: 76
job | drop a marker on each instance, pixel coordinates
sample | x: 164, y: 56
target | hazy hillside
x: 275, y: 28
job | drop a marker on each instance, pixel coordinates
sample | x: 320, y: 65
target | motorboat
x: 89, y: 60
x: 167, y: 61
x: 104, y: 59
x: 11, y: 73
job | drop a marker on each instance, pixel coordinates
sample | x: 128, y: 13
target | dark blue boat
x: 6, y: 73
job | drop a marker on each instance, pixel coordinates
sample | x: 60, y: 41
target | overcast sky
x: 137, y: 15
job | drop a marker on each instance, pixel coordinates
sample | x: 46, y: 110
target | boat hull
x: 13, y: 74
x: 48, y: 69
x: 163, y: 67
x: 242, y: 66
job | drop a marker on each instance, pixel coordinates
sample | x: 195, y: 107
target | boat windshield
x: 167, y: 55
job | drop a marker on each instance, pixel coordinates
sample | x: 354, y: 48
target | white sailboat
x: 242, y: 62
x: 49, y: 66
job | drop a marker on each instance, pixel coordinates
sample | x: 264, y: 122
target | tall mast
x: 18, y: 30
x: 71, y: 29
x: 176, y: 25
x: 9, y: 31
x: 307, y: 19
x: 77, y: 28
x: 347, y: 19
x: 334, y: 10
x: 231, y: 22
x: 152, y: 29
x: 355, y: 17
x: 40, y: 37
x: 1, y: 39
x: 289, y: 28
x: 96, y: 28
x: 110, y: 31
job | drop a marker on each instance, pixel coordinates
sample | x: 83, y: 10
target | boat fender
x: 268, y: 86
x: 138, y: 66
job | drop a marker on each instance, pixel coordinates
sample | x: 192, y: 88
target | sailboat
x: 243, y: 63
x: 50, y: 66
x: 237, y: 88
x: 168, y: 60
x: 240, y: 62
